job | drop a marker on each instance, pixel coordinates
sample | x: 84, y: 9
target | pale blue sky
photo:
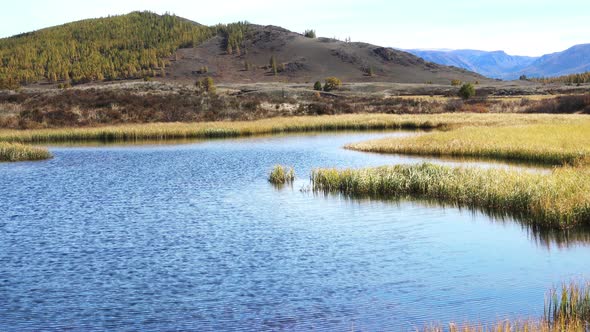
x: 523, y: 27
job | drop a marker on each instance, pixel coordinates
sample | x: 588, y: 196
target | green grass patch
x: 21, y: 152
x: 281, y: 175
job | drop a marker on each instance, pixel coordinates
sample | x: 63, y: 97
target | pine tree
x: 273, y: 64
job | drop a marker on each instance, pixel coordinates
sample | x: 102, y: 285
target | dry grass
x: 162, y: 131
x: 555, y: 144
x: 20, y: 152
x: 559, y: 199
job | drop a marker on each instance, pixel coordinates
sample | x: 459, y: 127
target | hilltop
x: 171, y: 48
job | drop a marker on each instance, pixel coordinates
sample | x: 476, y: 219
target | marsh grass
x: 570, y: 303
x: 566, y: 310
x: 21, y: 152
x: 220, y: 129
x: 553, y: 144
x: 281, y: 175
x: 559, y: 199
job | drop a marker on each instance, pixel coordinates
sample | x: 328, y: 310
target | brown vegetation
x: 155, y: 102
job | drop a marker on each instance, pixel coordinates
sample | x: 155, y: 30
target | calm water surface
x: 193, y: 237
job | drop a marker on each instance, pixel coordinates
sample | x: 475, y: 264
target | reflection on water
x: 193, y: 237
x: 544, y: 236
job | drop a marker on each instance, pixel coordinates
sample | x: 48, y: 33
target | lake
x: 192, y: 236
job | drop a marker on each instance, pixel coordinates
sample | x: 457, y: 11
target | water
x: 193, y: 237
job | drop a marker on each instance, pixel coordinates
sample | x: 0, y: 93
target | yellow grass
x: 560, y: 199
x: 162, y: 131
x: 555, y: 144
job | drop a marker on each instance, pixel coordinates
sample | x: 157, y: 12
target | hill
x: 144, y: 44
x: 498, y: 64
x: 118, y: 47
x: 302, y: 59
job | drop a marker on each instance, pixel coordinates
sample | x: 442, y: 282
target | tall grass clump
x: 21, y: 152
x: 281, y: 175
x: 566, y: 310
x: 559, y: 199
x: 554, y: 144
x: 569, y: 304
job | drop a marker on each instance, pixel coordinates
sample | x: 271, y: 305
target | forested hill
x: 127, y: 46
x: 171, y: 48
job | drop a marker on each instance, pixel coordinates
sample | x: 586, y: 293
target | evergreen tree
x: 273, y: 64
x: 317, y: 86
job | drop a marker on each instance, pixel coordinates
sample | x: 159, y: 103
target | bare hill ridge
x: 301, y: 59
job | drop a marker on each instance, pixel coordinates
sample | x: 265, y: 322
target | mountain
x: 575, y: 59
x: 167, y: 47
x: 498, y: 64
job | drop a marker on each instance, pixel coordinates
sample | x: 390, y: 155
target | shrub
x: 455, y: 82
x: 467, y: 91
x: 309, y: 33
x: 332, y: 83
x: 317, y: 86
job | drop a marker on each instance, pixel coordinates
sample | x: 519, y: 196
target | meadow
x: 552, y: 144
x: 218, y: 129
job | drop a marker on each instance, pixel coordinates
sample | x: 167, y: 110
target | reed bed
x: 566, y: 310
x: 553, y: 144
x: 560, y: 199
x: 281, y: 175
x: 21, y: 152
x: 163, y: 131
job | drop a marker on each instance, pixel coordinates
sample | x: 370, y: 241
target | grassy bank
x: 559, y: 199
x: 20, y: 152
x: 554, y: 144
x: 162, y: 131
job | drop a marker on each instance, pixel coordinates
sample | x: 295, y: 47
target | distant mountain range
x: 498, y: 64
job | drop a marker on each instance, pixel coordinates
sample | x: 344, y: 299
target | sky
x: 519, y: 27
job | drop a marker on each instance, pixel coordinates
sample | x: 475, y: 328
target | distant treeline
x: 567, y: 79
x: 116, y: 47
